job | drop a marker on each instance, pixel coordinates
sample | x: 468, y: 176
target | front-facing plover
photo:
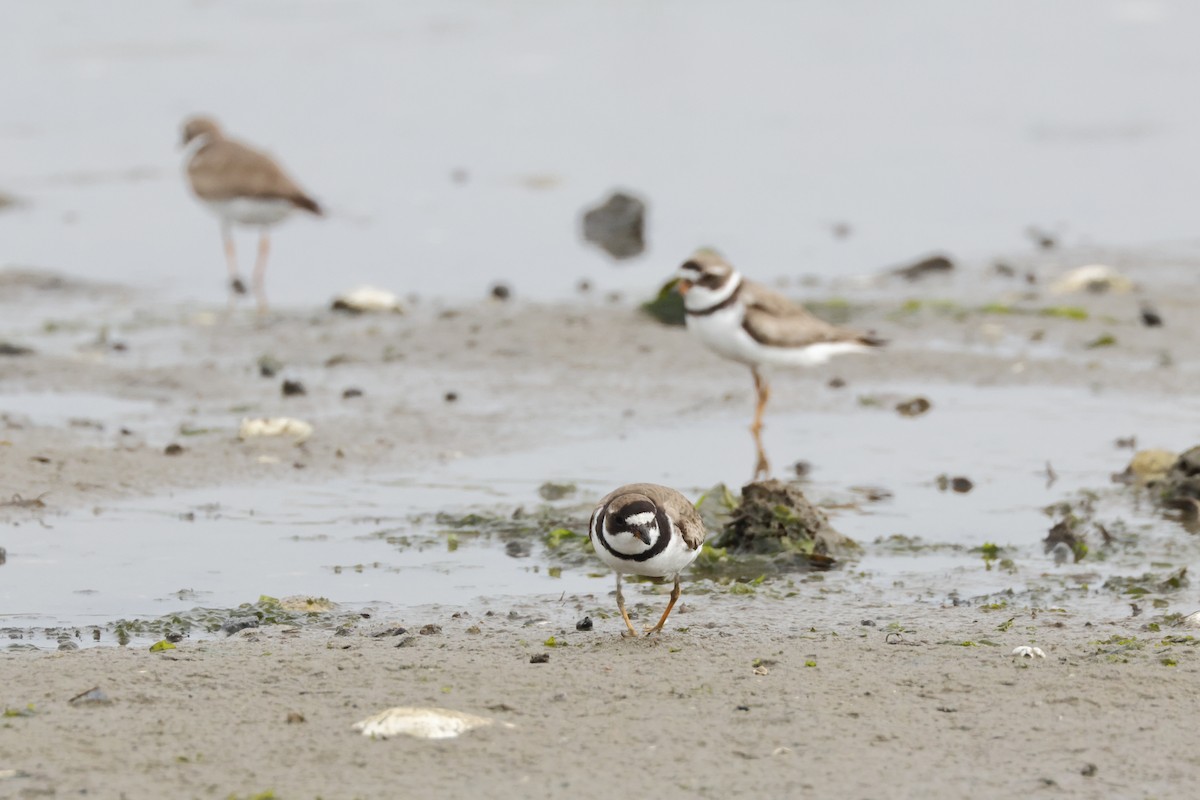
x: 646, y: 529
x: 242, y: 186
x: 746, y: 322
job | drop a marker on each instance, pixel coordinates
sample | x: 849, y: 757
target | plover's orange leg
x: 260, y: 270
x: 674, y: 596
x: 762, y: 467
x: 624, y: 614
x: 763, y: 391
x: 235, y: 280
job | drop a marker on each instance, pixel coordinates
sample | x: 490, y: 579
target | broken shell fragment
x: 298, y: 429
x: 1025, y: 651
x: 1092, y: 278
x: 422, y: 723
x: 367, y: 299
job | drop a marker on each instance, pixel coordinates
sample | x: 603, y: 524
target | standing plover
x: 746, y: 322
x: 646, y: 529
x: 241, y: 186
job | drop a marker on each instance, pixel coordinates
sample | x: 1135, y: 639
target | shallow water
x: 374, y: 544
x: 754, y: 127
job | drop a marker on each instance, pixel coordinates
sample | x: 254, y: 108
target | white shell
x: 1191, y: 620
x: 369, y: 298
x: 1091, y: 276
x: 1025, y: 651
x: 298, y: 429
x: 422, y: 723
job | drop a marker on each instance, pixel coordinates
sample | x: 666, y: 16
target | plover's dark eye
x: 712, y: 280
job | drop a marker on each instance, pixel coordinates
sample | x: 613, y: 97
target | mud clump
x: 776, y: 519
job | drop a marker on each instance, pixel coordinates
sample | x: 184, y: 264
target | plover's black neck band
x: 726, y: 303
x: 664, y: 537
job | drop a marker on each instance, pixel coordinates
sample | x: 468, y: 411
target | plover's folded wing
x: 225, y: 170
x: 776, y: 321
x: 681, y: 511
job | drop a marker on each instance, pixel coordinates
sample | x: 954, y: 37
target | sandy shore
x: 740, y: 701
x: 742, y: 697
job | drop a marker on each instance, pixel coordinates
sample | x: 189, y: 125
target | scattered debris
x: 584, y: 624
x: 1042, y: 238
x: 958, y: 484
x: 430, y: 629
x: 269, y: 366
x: 1129, y: 442
x: 934, y: 265
x: 617, y: 226
x: 292, y: 388
x: 294, y: 718
x: 352, y: 392
x: 450, y: 397
x: 551, y: 491
x: 1191, y: 620
x: 91, y: 697
x: 539, y: 658
x: 17, y: 501
x: 1092, y: 278
x: 667, y: 305
x: 1062, y: 541
x: 1150, y: 317
x: 3, y: 556
x: 307, y: 605
x: 298, y: 429
x: 422, y: 723
x: 1103, y: 340
x: 173, y: 449
x: 367, y: 300
x: 1025, y: 651
x: 518, y: 548
x: 1147, y: 467
x: 914, y: 407
x: 10, y: 349
x: 500, y: 291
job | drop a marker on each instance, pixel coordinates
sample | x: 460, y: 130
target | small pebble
x: 501, y: 291
x: 269, y: 366
x: 173, y: 449
x: 293, y: 388
x: 351, y: 392
x: 539, y: 658
x: 430, y: 629
x: 451, y: 397
x: 584, y: 624
x: 294, y: 717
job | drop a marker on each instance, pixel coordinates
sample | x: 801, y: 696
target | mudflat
x: 817, y: 688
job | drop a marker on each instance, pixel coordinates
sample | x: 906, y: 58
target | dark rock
x: 430, y: 629
x: 501, y: 291
x: 776, y: 518
x: 237, y: 286
x: 352, y: 392
x: 1042, y: 238
x: 3, y: 556
x: 395, y: 631
x: 10, y: 349
x: 173, y: 449
x: 1182, y: 482
x: 836, y: 383
x: 914, y: 407
x: 450, y: 397
x: 293, y: 388
x: 934, y: 265
x: 233, y: 626
x: 958, y: 484
x: 269, y: 366
x: 584, y: 624
x: 539, y: 658
x: 518, y: 549
x: 617, y: 226
x: 1150, y: 317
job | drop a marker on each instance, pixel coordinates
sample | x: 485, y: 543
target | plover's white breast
x: 674, y: 558
x: 722, y: 331
x: 251, y: 210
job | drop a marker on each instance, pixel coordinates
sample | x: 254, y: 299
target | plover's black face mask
x: 711, y: 277
x: 638, y: 519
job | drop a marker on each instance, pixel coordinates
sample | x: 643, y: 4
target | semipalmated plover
x: 241, y: 186
x: 646, y: 529
x: 746, y: 322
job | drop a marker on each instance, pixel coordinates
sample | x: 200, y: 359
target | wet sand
x: 918, y: 714
x: 742, y: 700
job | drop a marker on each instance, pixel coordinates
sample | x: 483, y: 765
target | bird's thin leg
x: 235, y: 280
x: 674, y: 596
x: 260, y: 270
x: 762, y: 468
x: 621, y: 607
